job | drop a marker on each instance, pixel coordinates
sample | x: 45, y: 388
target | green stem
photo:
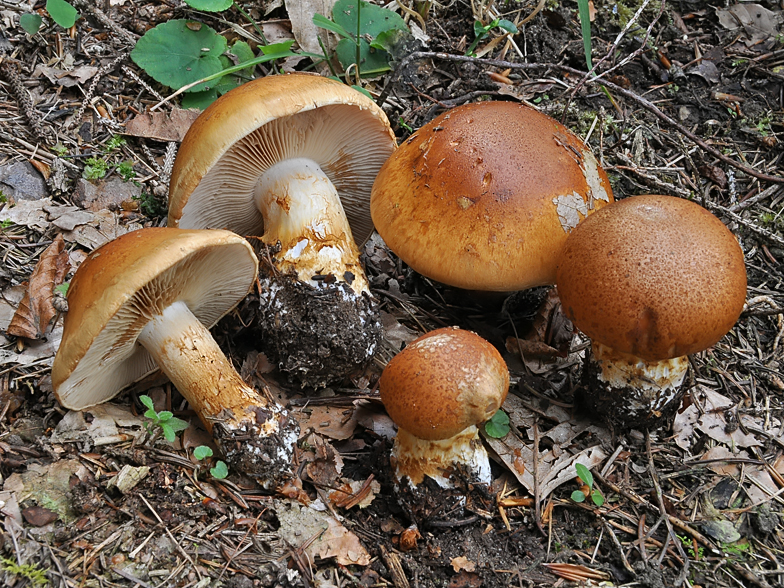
x: 253, y: 22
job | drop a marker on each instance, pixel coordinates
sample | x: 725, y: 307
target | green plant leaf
x: 578, y: 496
x: 178, y: 424
x: 498, y: 425
x: 168, y: 432
x: 373, y: 21
x: 480, y: 30
x: 585, y: 27
x: 210, y: 5
x: 30, y: 23
x: 201, y: 452
x: 220, y: 471
x: 179, y: 52
x: 147, y: 401
x: 62, y: 288
x: 585, y: 474
x: 507, y: 25
x: 597, y: 498
x: 164, y: 416
x: 322, y: 21
x: 62, y: 13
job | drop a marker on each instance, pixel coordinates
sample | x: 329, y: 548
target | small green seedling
x: 125, y: 171
x: 30, y: 22
x: 586, y: 477
x: 481, y: 31
x: 30, y: 572
x: 498, y: 425
x: 220, y: 470
x: 95, y: 168
x: 169, y: 424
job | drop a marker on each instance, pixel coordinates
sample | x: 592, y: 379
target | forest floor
x: 94, y: 498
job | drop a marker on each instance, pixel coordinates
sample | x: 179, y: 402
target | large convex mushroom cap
x: 292, y: 159
x: 437, y: 390
x: 484, y: 196
x: 654, y: 276
x: 264, y: 122
x: 145, y: 301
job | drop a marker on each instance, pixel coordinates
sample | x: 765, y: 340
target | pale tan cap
x: 484, y: 196
x: 122, y: 284
x: 654, y: 276
x: 268, y: 120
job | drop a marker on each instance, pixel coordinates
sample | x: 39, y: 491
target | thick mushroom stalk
x: 643, y: 391
x: 254, y: 434
x: 302, y: 211
x: 415, y: 458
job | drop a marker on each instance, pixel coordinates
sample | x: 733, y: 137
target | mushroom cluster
x: 291, y: 159
x: 437, y: 390
x: 650, y: 279
x: 146, y: 301
x: 483, y: 197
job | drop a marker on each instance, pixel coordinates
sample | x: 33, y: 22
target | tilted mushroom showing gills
x: 437, y: 390
x: 651, y: 280
x: 292, y: 158
x: 146, y: 300
x: 483, y: 197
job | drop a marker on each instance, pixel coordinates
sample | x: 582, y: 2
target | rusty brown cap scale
x: 484, y: 196
x: 654, y: 276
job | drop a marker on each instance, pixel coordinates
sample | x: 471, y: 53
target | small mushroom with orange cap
x: 145, y: 301
x: 650, y: 280
x: 438, y: 390
x: 291, y: 159
x: 483, y: 197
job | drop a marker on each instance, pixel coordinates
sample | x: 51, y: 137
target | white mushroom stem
x: 302, y: 211
x: 186, y: 352
x: 416, y: 458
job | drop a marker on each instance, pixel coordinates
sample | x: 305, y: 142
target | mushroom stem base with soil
x: 254, y: 434
x: 318, y: 335
x: 415, y: 458
x: 627, y: 391
x: 317, y: 318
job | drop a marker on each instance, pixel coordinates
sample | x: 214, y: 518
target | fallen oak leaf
x: 36, y: 309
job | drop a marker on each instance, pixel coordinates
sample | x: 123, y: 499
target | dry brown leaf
x: 331, y: 421
x: 162, y: 126
x: 462, y: 563
x: 35, y: 311
x: 305, y: 32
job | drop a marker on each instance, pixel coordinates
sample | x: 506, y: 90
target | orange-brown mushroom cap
x: 484, y: 196
x: 444, y: 382
x: 654, y: 276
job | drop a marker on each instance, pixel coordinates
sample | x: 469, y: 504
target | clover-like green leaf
x: 202, y: 451
x: 498, y: 425
x: 220, y: 471
x: 62, y: 13
x: 30, y: 22
x: 578, y: 496
x: 179, y: 52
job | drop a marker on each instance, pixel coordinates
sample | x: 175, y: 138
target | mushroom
x: 145, y: 301
x: 292, y: 158
x: 437, y: 390
x: 650, y: 280
x: 483, y: 196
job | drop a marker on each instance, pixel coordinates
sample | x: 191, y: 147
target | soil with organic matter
x: 689, y: 103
